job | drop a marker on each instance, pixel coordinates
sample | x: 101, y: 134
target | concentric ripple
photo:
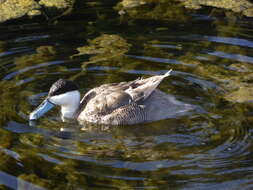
x: 209, y: 147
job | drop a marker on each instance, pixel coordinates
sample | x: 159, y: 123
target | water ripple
x: 209, y: 148
x: 237, y: 57
x: 225, y: 40
x: 13, y: 74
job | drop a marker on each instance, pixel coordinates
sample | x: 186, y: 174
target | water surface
x: 208, y: 148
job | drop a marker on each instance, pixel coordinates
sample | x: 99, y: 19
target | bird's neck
x: 69, y: 111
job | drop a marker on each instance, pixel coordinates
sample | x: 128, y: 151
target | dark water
x: 204, y: 149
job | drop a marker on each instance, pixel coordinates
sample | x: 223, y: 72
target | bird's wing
x: 126, y: 115
x: 142, y: 88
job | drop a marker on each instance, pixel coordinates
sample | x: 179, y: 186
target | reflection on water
x: 209, y: 147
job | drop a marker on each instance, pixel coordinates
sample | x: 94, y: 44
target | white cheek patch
x: 66, y: 98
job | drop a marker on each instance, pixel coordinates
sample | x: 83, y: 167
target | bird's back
x: 119, y: 103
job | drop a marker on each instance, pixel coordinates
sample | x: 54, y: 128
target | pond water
x: 210, y: 147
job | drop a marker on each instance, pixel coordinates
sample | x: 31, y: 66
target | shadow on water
x: 208, y: 147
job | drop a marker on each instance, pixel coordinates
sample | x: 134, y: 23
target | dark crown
x: 62, y: 86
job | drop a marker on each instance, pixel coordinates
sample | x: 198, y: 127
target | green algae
x: 242, y: 95
x: 242, y: 6
x: 8, y: 106
x: 155, y: 10
x: 237, y: 88
x: 12, y: 9
x: 232, y: 123
x: 132, y: 3
x: 8, y: 163
x: 105, y: 48
x: 6, y: 139
x: 59, y: 4
x: 55, y: 9
x: 2, y: 46
x: 174, y: 10
x: 72, y: 174
x: 43, y: 54
x: 51, y: 176
x: 121, y: 151
x: 166, y: 9
x: 34, y: 179
x: 3, y: 187
x: 32, y: 139
x: 67, y: 172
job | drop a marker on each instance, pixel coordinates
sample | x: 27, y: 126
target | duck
x: 124, y: 103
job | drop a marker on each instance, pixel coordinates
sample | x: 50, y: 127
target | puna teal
x: 122, y: 103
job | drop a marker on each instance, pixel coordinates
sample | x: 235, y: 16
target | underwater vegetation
x: 14, y: 9
x: 104, y: 48
x: 207, y: 43
x: 244, y: 6
x: 162, y: 9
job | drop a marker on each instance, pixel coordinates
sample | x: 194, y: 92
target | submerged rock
x: 32, y: 139
x: 240, y: 6
x: 33, y: 179
x: 248, y: 12
x: 131, y: 6
x: 59, y: 4
x: 237, y: 87
x: 240, y: 67
x: 12, y: 9
x: 144, y: 9
x: 105, y: 47
x: 243, y: 95
x: 2, y: 46
x: 152, y: 9
x: 43, y: 54
x: 132, y: 3
x: 244, y: 91
x: 8, y: 163
x: 6, y: 139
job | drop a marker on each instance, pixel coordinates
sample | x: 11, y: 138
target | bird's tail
x: 167, y: 73
x: 146, y: 86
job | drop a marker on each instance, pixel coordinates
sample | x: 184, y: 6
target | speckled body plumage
x: 118, y: 103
